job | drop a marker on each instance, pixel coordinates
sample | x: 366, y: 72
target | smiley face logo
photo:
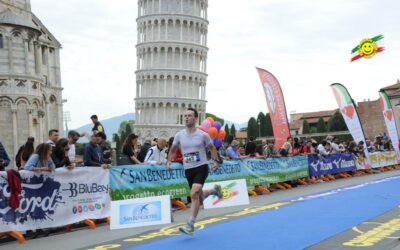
x: 368, y: 48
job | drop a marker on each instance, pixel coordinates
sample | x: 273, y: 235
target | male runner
x: 193, y: 143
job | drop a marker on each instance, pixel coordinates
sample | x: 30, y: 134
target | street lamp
x: 259, y: 127
x: 67, y: 118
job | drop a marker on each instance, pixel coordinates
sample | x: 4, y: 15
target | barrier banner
x: 139, y: 181
x: 377, y: 160
x: 333, y: 164
x: 55, y: 199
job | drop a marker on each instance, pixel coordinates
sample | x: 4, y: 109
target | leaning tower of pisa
x: 171, y: 64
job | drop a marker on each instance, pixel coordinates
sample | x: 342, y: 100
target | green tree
x: 261, y: 124
x: 216, y: 118
x: 337, y: 123
x: 227, y: 132
x: 125, y: 129
x: 233, y: 130
x: 306, y: 127
x: 252, y: 128
x: 269, y: 130
x: 321, y: 126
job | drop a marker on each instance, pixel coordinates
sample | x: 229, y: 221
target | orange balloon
x: 211, y: 120
x: 213, y: 132
x: 221, y: 134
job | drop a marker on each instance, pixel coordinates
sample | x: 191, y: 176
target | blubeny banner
x: 139, y: 181
x: 55, y: 199
x: 335, y: 163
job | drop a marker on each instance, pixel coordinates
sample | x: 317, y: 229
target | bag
x: 124, y: 160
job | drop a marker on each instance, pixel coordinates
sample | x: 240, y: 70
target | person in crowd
x: 335, y: 146
x: 260, y: 148
x: 73, y: 137
x: 53, y: 137
x: 157, y: 154
x: 352, y: 148
x: 97, y: 126
x: 222, y: 151
x: 24, y: 152
x: 232, y: 151
x: 306, y: 149
x: 105, y: 149
x: 60, y: 154
x: 270, y: 150
x: 93, y: 157
x: 250, y: 147
x: 370, y: 147
x: 128, y: 150
x: 178, y: 155
x: 193, y: 143
x: 138, y: 147
x: 41, y: 159
x: 143, y: 149
x: 242, y: 152
x: 4, y: 159
x: 297, y: 146
x: 360, y: 148
x: 323, y: 148
x: 284, y: 150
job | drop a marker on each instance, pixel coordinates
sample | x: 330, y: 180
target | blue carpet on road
x: 296, y: 226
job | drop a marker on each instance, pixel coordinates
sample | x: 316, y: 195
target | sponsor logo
x: 39, y: 199
x: 76, y: 189
x: 74, y: 210
x: 139, y: 213
x: 80, y: 209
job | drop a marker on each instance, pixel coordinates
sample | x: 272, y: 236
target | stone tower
x: 171, y: 64
x: 30, y: 81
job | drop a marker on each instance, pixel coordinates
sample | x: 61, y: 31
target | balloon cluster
x: 213, y: 128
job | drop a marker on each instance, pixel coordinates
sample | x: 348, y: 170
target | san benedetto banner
x: 390, y: 121
x: 349, y: 113
x: 139, y: 181
x: 55, y: 199
x: 276, y: 106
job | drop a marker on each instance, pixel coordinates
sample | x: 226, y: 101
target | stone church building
x: 30, y: 80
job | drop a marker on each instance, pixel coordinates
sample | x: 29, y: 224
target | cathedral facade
x: 171, y: 64
x: 30, y: 80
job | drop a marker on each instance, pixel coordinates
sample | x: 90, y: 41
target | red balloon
x: 213, y: 132
x: 221, y: 134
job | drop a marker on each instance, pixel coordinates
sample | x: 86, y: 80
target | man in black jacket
x: 143, y: 149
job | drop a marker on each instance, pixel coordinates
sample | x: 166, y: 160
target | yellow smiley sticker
x: 367, y: 48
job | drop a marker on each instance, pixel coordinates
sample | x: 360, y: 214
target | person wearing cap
x: 97, y: 126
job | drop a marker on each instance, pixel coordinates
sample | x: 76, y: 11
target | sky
x: 305, y: 44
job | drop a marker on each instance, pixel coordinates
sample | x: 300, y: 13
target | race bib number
x: 191, y: 157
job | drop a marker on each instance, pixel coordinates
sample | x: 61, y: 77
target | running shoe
x: 187, y: 229
x: 218, y: 191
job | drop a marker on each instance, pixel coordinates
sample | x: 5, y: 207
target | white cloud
x: 305, y: 44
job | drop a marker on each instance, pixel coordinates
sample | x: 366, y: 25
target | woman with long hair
x: 128, y: 150
x: 41, y: 159
x: 26, y: 151
x: 60, y: 154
